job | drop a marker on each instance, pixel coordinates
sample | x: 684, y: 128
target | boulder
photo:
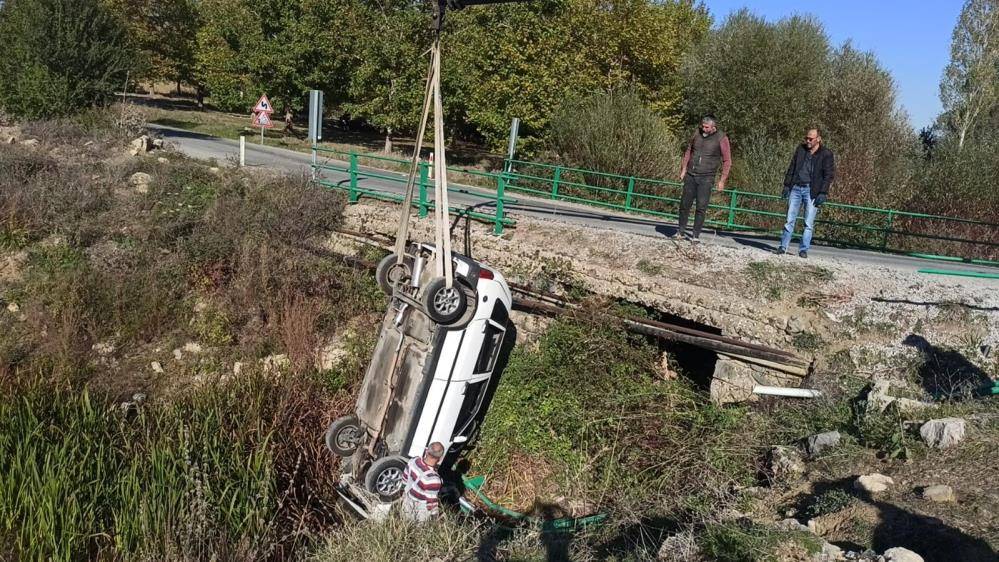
x: 820, y: 442
x: 873, y: 483
x: 785, y: 463
x: 733, y: 381
x: 681, y: 547
x: 939, y: 493
x: 140, y: 145
x: 899, y: 554
x: 140, y: 182
x: 162, y: 160
x: 942, y: 433
x: 29, y: 142
x: 880, y: 397
x: 157, y: 367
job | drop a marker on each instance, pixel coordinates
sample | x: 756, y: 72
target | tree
x: 165, y: 32
x: 758, y: 78
x: 279, y: 47
x: 388, y: 74
x: 527, y: 60
x: 60, y: 56
x: 970, y: 86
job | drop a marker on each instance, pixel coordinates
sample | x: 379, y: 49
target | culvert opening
x: 694, y: 362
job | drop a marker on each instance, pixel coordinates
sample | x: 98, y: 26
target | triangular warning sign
x: 263, y: 105
x: 262, y: 119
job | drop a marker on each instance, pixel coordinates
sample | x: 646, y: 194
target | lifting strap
x: 442, y: 235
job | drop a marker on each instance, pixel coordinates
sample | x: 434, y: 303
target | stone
x: 139, y: 397
x: 899, y: 554
x: 880, y: 397
x: 162, y: 160
x: 193, y: 347
x: 680, y: 547
x: 829, y: 553
x: 795, y: 325
x: 29, y: 142
x: 103, y: 348
x: 939, y: 493
x: 822, y: 441
x: 140, y: 182
x: 140, y: 145
x: 157, y: 367
x: 274, y: 364
x: 237, y: 368
x: 13, y: 308
x: 11, y: 140
x: 942, y: 433
x: 791, y: 524
x: 330, y: 356
x: 157, y: 143
x: 213, y: 170
x: 732, y: 382
x: 873, y: 483
x: 178, y: 354
x: 786, y: 463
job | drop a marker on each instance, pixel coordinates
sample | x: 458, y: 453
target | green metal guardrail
x: 350, y: 164
x: 902, y: 232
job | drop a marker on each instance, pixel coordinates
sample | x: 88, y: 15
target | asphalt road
x: 226, y: 151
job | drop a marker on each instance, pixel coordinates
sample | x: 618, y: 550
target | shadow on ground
x: 925, y: 535
x: 945, y: 373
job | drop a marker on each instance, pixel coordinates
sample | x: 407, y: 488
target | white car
x: 433, y: 370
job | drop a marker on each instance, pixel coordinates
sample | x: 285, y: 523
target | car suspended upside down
x: 432, y: 373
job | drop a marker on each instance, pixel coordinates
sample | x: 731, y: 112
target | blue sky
x: 911, y: 39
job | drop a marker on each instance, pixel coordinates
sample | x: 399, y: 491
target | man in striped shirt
x: 419, y: 500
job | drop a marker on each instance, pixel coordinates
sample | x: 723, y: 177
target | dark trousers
x: 698, y: 187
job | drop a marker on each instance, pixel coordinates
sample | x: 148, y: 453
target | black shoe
x: 802, y: 254
x: 780, y: 251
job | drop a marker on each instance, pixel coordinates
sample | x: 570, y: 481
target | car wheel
x: 445, y: 305
x: 385, y: 478
x: 389, y: 273
x: 343, y: 436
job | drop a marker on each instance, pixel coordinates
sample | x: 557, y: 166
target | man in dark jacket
x: 707, y: 151
x: 806, y: 184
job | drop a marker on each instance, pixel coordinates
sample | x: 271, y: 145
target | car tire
x: 343, y: 436
x: 446, y: 306
x: 389, y: 273
x: 385, y: 478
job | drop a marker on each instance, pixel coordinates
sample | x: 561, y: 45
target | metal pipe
x: 785, y: 391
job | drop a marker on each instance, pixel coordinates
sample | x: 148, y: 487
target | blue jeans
x: 800, y: 195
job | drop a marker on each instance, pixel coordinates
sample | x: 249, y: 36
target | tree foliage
x: 970, y: 86
x: 164, y: 31
x: 60, y: 56
x: 279, y: 47
x: 616, y: 133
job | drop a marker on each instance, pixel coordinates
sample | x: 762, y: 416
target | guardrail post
x: 732, y: 207
x: 352, y: 194
x: 557, y: 178
x: 631, y: 190
x: 500, y: 189
x: 887, y: 230
x: 424, y: 178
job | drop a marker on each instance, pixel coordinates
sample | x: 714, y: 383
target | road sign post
x: 262, y: 111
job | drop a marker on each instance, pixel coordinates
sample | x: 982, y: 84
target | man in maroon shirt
x: 707, y: 151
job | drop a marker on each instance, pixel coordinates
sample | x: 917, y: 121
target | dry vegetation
x: 172, y: 347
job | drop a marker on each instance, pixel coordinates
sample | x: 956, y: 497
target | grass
x: 82, y: 477
x: 774, y: 280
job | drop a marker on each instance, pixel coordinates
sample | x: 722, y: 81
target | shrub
x: 615, y: 133
x: 60, y: 56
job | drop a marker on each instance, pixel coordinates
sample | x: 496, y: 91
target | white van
x: 429, y: 378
